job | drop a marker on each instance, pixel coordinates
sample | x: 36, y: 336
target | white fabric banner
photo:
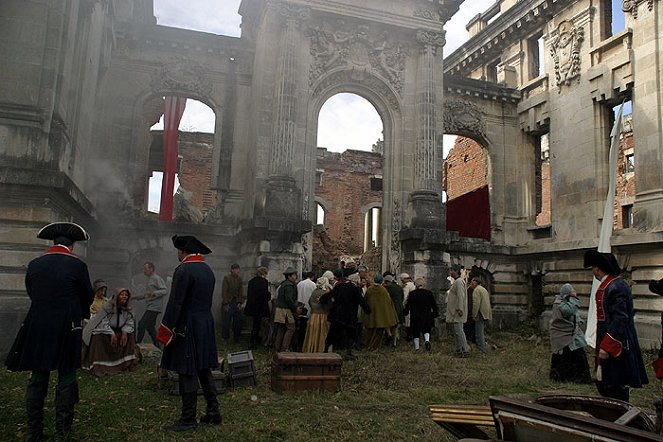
x: 606, y: 223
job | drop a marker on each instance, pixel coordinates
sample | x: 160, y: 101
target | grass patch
x: 384, y: 396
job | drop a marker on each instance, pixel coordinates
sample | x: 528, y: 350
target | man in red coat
x: 187, y: 332
x: 618, y: 356
x: 50, y: 337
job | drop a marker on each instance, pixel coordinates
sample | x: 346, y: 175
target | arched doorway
x: 349, y: 169
x: 466, y: 187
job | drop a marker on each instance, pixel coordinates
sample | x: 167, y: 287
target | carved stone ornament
x: 182, y: 77
x: 355, y: 46
x: 464, y: 118
x: 395, y: 246
x: 428, y: 38
x: 293, y: 12
x: 427, y: 14
x: 565, y: 50
x: 361, y: 78
x: 632, y: 6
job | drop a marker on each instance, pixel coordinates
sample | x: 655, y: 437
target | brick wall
x: 543, y: 217
x: 345, y: 184
x: 625, y: 185
x: 465, y: 168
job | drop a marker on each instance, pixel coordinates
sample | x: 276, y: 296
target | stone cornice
x: 521, y: 19
x: 455, y: 84
x: 181, y: 39
x: 384, y: 17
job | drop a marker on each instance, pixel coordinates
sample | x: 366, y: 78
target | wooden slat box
x: 242, y: 369
x: 306, y: 371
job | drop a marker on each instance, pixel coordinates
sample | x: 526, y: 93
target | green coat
x: 383, y: 314
x: 397, y: 297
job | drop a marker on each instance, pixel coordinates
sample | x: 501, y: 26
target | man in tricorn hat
x: 618, y: 357
x: 58, y: 285
x: 187, y: 333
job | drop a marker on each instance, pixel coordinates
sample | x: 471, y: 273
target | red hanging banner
x: 172, y: 116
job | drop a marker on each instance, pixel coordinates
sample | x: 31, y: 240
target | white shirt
x: 305, y: 288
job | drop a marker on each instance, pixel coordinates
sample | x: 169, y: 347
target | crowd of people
x: 71, y: 324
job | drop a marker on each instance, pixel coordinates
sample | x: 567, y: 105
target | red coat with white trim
x: 617, y: 336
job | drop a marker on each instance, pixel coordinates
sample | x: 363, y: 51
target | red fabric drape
x: 171, y: 122
x: 469, y: 214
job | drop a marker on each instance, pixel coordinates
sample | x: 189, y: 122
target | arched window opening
x: 348, y: 121
x: 193, y: 193
x: 349, y: 170
x: 465, y: 187
x: 319, y: 214
x: 372, y: 228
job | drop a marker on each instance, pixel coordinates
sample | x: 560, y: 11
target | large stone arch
x: 487, y: 114
x: 387, y: 103
x: 183, y: 80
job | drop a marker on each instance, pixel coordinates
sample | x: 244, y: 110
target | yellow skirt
x: 316, y: 333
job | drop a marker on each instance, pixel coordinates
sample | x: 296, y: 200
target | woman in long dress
x: 109, y: 338
x: 318, y: 327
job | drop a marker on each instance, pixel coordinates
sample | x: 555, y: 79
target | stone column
x: 282, y: 195
x: 648, y: 113
x: 425, y: 199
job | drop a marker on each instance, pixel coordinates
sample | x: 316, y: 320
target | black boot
x: 187, y: 420
x: 66, y: 397
x: 212, y: 415
x: 34, y: 398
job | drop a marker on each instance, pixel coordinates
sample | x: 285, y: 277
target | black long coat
x: 50, y: 337
x: 422, y: 308
x: 346, y: 299
x: 257, y: 297
x: 189, y: 314
x: 617, y: 306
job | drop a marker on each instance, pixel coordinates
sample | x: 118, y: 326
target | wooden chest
x: 306, y: 371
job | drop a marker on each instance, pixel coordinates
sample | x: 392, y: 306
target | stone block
x: 12, y: 281
x: 508, y: 300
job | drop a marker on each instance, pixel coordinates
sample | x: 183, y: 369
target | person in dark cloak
x: 50, y: 337
x: 618, y: 356
x: 187, y: 333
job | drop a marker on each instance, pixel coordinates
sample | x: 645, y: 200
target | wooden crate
x: 242, y: 370
x: 306, y: 371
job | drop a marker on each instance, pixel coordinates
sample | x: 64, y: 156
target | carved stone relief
x: 565, y: 50
x: 632, y: 6
x: 435, y: 39
x: 295, y: 13
x: 182, y: 77
x: 395, y: 246
x: 363, y: 78
x: 356, y: 46
x: 464, y: 118
x: 428, y: 14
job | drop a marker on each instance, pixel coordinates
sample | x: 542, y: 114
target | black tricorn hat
x: 656, y: 286
x: 604, y: 261
x: 72, y: 231
x: 190, y: 244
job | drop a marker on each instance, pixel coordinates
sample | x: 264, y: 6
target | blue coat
x: 50, y: 337
x: 617, y: 322
x: 189, y: 314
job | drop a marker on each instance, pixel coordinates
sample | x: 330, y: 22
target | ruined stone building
x: 83, y: 81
